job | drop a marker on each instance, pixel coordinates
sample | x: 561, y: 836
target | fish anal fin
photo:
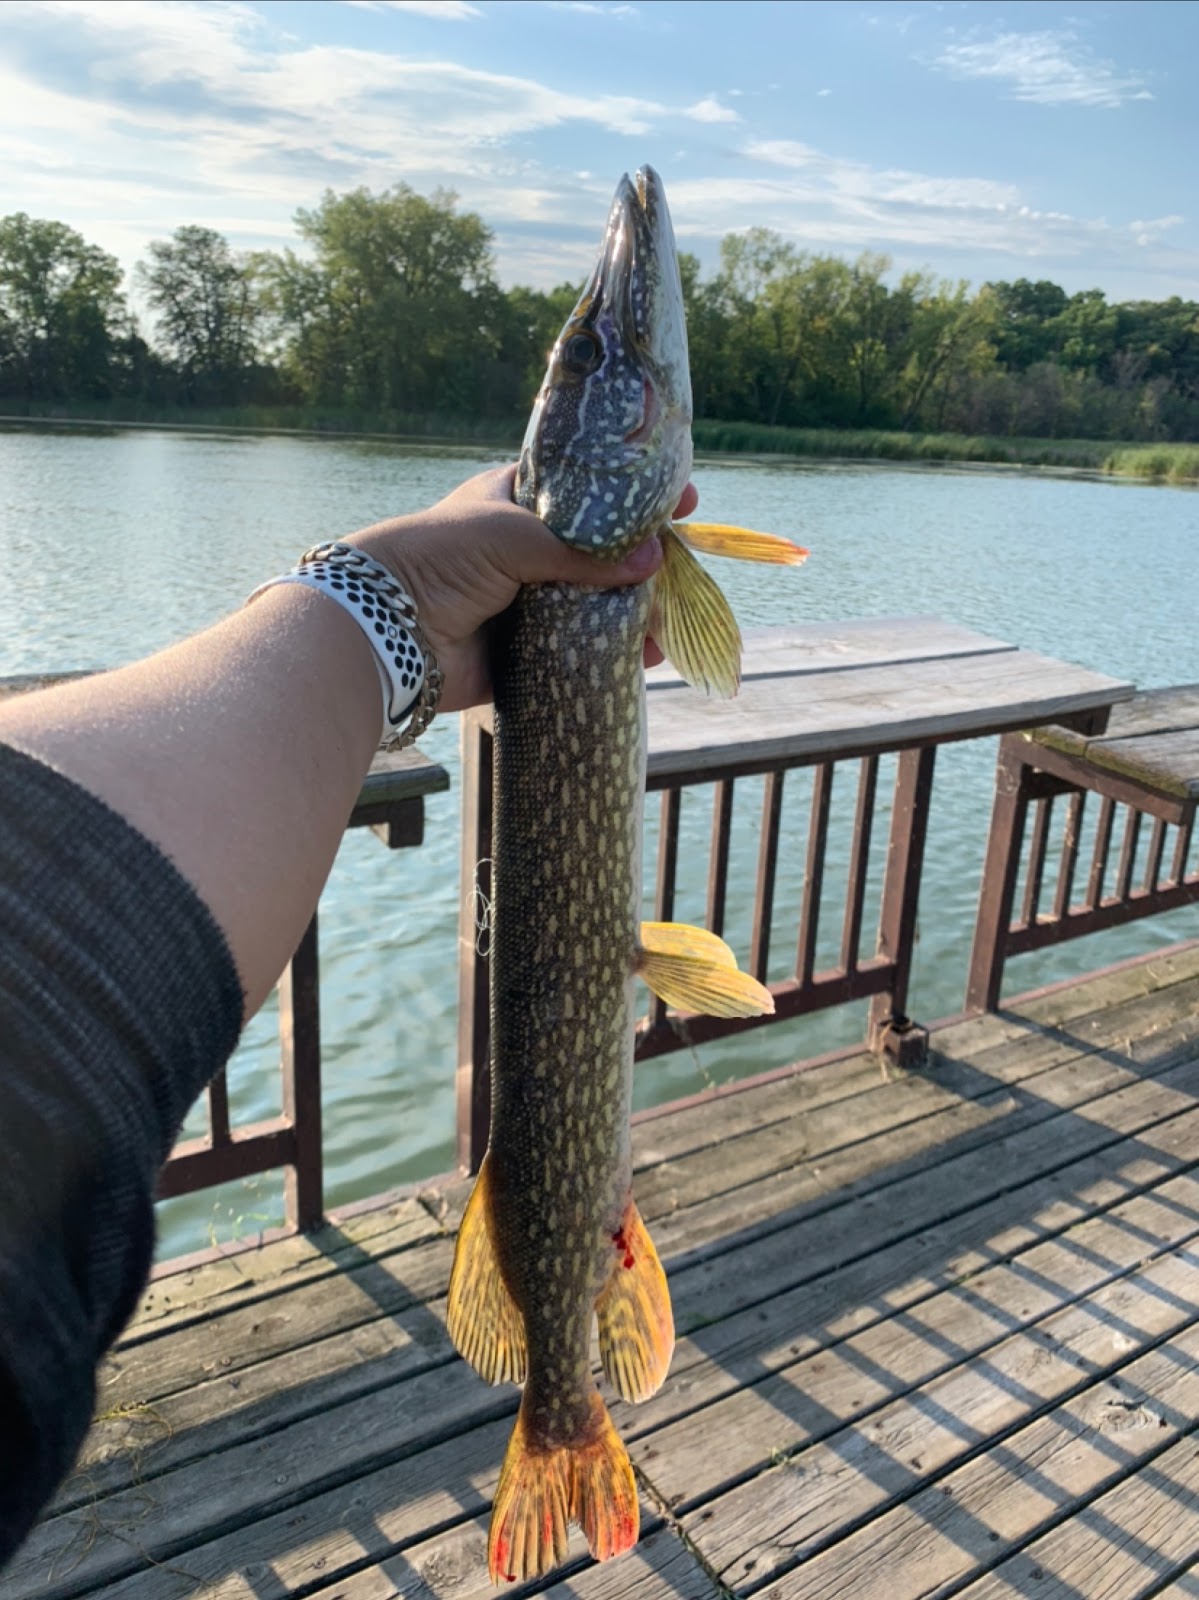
x: 692, y: 623
x: 741, y: 544
x: 694, y: 970
x: 544, y: 1487
x: 636, y: 1325
x: 483, y: 1319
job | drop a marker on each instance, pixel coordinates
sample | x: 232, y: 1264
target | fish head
x: 607, y: 452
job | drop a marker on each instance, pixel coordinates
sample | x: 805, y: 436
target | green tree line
x: 393, y: 309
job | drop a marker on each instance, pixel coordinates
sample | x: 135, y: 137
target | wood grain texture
x: 884, y: 1289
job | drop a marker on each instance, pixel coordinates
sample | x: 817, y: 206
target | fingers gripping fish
x: 551, y: 1237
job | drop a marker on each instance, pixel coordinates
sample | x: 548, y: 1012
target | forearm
x: 239, y: 752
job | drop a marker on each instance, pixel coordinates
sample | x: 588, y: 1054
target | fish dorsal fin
x: 741, y: 544
x: 692, y: 623
x: 636, y: 1326
x: 695, y: 970
x: 483, y: 1319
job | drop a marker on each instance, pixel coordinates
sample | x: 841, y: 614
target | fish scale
x: 569, y: 777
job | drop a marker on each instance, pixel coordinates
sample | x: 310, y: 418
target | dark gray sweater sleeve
x: 118, y: 1001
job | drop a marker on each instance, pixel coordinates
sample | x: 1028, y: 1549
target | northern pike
x: 551, y: 1237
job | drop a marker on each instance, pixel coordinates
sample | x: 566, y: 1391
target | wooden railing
x: 1143, y: 776
x: 850, y: 706
x: 392, y: 805
x: 881, y: 976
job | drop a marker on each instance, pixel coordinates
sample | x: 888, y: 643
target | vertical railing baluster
x: 768, y: 855
x: 809, y: 921
x: 1039, y: 839
x: 1128, y: 854
x: 718, y: 861
x: 859, y: 864
x: 218, y: 1109
x: 1069, y: 862
x: 1153, y: 861
x: 300, y: 1037
x: 1182, y: 850
x: 901, y: 891
x: 668, y: 866
x: 1103, y: 844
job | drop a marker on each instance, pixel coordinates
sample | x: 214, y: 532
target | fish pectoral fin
x: 483, y: 1319
x: 741, y: 544
x: 636, y: 1325
x: 694, y: 970
x: 542, y: 1489
x: 692, y: 623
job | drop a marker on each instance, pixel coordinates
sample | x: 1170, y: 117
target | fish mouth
x: 636, y: 279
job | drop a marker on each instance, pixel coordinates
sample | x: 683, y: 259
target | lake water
x: 114, y: 543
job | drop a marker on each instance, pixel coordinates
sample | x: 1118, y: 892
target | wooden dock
x: 939, y: 1335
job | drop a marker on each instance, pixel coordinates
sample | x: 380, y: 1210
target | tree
x: 208, y: 311
x: 398, y: 300
x: 62, y: 314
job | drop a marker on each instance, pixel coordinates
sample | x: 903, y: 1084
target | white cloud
x: 711, y: 110
x: 1050, y: 68
x: 820, y: 93
x: 443, y: 10
x: 590, y: 9
x: 1148, y: 233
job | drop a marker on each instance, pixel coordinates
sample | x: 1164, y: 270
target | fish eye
x: 582, y: 353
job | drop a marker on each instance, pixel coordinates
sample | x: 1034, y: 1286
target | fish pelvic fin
x: 483, y: 1319
x: 694, y: 970
x: 543, y: 1488
x: 742, y: 544
x: 636, y: 1325
x: 692, y: 623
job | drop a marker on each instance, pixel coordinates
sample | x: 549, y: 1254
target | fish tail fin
x: 692, y: 623
x: 543, y: 1488
x: 483, y: 1319
x: 695, y: 970
x: 741, y: 544
x: 636, y: 1325
x: 605, y: 1490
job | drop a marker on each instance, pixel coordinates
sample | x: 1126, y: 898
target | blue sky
x: 977, y: 140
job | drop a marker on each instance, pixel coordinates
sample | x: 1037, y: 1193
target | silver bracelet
x: 386, y: 613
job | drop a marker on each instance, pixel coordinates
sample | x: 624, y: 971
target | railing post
x: 473, y: 1077
x: 1000, y: 871
x: 890, y: 1031
x: 300, y: 1038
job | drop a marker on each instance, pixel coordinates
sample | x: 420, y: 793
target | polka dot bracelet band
x: 386, y: 614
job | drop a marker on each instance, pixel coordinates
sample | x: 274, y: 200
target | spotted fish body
x: 551, y: 1237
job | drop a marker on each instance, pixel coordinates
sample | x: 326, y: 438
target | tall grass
x: 877, y: 444
x: 1157, y: 463
x: 1162, y: 463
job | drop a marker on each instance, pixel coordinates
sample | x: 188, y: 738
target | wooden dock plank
x: 317, y: 1344
x: 811, y: 1497
x: 1128, y: 1430
x: 324, y: 1432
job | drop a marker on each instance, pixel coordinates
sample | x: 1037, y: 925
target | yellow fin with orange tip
x: 636, y: 1325
x: 740, y: 544
x: 695, y: 970
x: 483, y: 1319
x: 545, y: 1487
x: 692, y: 623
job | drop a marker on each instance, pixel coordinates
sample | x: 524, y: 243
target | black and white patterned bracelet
x: 386, y: 613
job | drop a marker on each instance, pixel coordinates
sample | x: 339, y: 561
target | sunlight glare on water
x: 115, y: 543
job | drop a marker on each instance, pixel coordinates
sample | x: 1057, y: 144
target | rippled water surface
x: 113, y: 544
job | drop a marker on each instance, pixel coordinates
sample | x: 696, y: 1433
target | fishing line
x: 483, y: 908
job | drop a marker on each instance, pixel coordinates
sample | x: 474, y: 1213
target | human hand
x: 463, y: 560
